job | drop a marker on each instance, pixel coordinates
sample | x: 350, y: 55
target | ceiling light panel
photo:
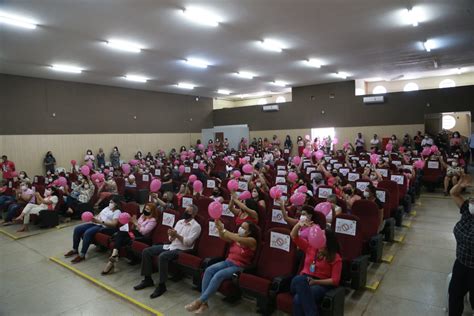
x: 272, y: 45
x: 201, y: 16
x: 136, y: 78
x: 196, y: 62
x: 280, y: 83
x: 185, y: 85
x: 342, y: 74
x: 124, y: 46
x: 314, y: 63
x: 66, y: 68
x: 224, y: 91
x: 428, y: 45
x: 16, y: 20
x: 245, y: 74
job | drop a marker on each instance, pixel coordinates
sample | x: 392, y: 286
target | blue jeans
x: 306, y: 298
x: 12, y: 211
x: 4, y: 199
x: 215, y: 275
x: 87, y: 233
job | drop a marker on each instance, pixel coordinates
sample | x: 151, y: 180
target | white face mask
x: 22, y: 176
x: 241, y: 232
x: 111, y: 205
x: 303, y: 218
x: 471, y: 208
x: 454, y: 164
x: 366, y: 194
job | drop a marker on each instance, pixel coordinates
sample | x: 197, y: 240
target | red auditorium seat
x: 396, y: 211
x: 368, y: 213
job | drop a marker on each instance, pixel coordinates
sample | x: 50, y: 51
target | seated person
x: 142, y: 230
x: 182, y: 238
x: 241, y: 253
x: 130, y: 182
x: 105, y: 222
x: 245, y: 212
x: 335, y: 210
x: 217, y: 195
x: 5, y: 198
x: 24, y: 195
x: 321, y: 273
x: 77, y: 201
x: 350, y: 196
x: 370, y: 194
x: 165, y: 203
x: 48, y: 202
x: 108, y: 189
x: 453, y: 174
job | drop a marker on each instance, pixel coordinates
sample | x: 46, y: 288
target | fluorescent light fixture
x: 280, y: 83
x: 195, y: 62
x: 245, y: 74
x: 201, y: 16
x: 66, y: 68
x: 428, y: 45
x: 136, y: 78
x: 314, y: 63
x: 411, y: 86
x: 342, y: 74
x: 412, y: 17
x: 124, y: 46
x: 272, y: 45
x: 459, y: 71
x: 16, y: 20
x: 185, y: 85
x: 223, y: 91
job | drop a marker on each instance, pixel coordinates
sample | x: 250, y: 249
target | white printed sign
x: 313, y: 175
x: 211, y: 184
x: 124, y: 228
x: 383, y: 172
x: 355, y: 158
x: 280, y: 241
x: 168, y: 219
x: 397, y: 178
x: 306, y: 164
x: 277, y: 217
x: 323, y: 193
x: 226, y: 211
x: 381, y: 195
x: 195, y: 165
x: 283, y: 188
x: 363, y: 162
x: 353, y: 176
x: 310, y: 169
x: 35, y: 180
x: 346, y: 226
x: 187, y: 201
x: 333, y: 160
x: 247, y: 177
x: 327, y: 158
x: 281, y: 172
x: 280, y: 180
x: 408, y: 167
x: 362, y: 185
x: 213, y: 229
x: 281, y: 168
x: 344, y: 171
x: 283, y: 198
x: 187, y: 169
x: 337, y: 166
x: 386, y: 159
x: 433, y: 164
x: 157, y: 172
x: 243, y: 186
x: 145, y: 178
x: 286, y: 151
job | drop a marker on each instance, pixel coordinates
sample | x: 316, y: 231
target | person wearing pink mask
x: 48, y: 202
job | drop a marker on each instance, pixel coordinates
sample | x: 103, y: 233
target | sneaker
x: 144, y: 284
x: 78, y: 259
x: 70, y: 253
x: 160, y: 290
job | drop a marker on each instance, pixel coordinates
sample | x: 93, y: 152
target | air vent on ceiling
x: 270, y: 108
x: 374, y: 99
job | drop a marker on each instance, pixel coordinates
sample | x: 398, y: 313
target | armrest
x: 207, y: 262
x: 333, y: 301
x: 280, y: 284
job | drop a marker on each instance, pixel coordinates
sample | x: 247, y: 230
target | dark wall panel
x: 27, y: 105
x: 343, y: 109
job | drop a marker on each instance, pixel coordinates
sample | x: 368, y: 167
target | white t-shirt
x: 374, y: 141
x: 51, y: 198
x: 108, y: 215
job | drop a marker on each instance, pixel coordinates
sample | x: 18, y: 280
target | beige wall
x: 27, y: 151
x: 463, y: 122
x: 221, y: 104
x: 345, y: 133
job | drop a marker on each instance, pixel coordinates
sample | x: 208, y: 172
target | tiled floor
x: 414, y: 283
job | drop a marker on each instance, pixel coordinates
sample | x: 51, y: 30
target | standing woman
x: 288, y: 143
x: 89, y: 157
x: 300, y: 143
x: 101, y: 159
x: 49, y: 162
x: 462, y: 280
x: 115, y: 158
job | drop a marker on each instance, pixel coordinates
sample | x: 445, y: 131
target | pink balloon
x: 243, y: 161
x: 209, y: 154
x: 176, y: 162
x: 202, y: 166
x: 275, y: 193
x: 302, y: 189
x: 106, y: 171
x: 155, y: 185
x: 215, y: 210
x: 201, y: 147
x: 374, y: 158
x: 307, y: 137
x: 232, y: 185
x: 62, y: 181
x: 73, y: 162
x: 124, y: 218
x: 236, y: 174
x: 316, y: 237
x: 323, y: 207
x: 134, y: 162
x: 87, y: 216
x: 192, y: 178
x: 319, y: 154
x: 335, y: 141
x: 298, y: 199
x: 389, y: 147
x: 226, y: 159
x: 434, y: 149
x: 90, y: 164
x: 247, y: 168
x: 85, y: 170
x: 191, y: 154
x: 296, y: 160
x: 251, y: 150
x: 126, y: 168
x: 419, y: 164
x: 183, y: 156
x: 245, y: 195
x: 101, y: 177
x: 345, y: 145
x: 401, y: 149
x: 181, y: 169
x: 307, y: 152
x: 197, y: 186
x: 292, y: 176
x: 426, y: 151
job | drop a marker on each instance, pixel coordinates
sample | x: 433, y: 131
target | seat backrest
x: 392, y: 188
x: 383, y: 196
x: 274, y: 218
x: 210, y: 244
x: 166, y: 221
x: 132, y: 208
x: 368, y: 213
x: 277, y: 254
x: 319, y: 219
x: 209, y: 186
x: 202, y: 204
x: 322, y: 192
x: 402, y: 183
x: 120, y: 185
x: 349, y: 236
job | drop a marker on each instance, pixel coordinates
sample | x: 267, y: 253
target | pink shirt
x: 146, y: 225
